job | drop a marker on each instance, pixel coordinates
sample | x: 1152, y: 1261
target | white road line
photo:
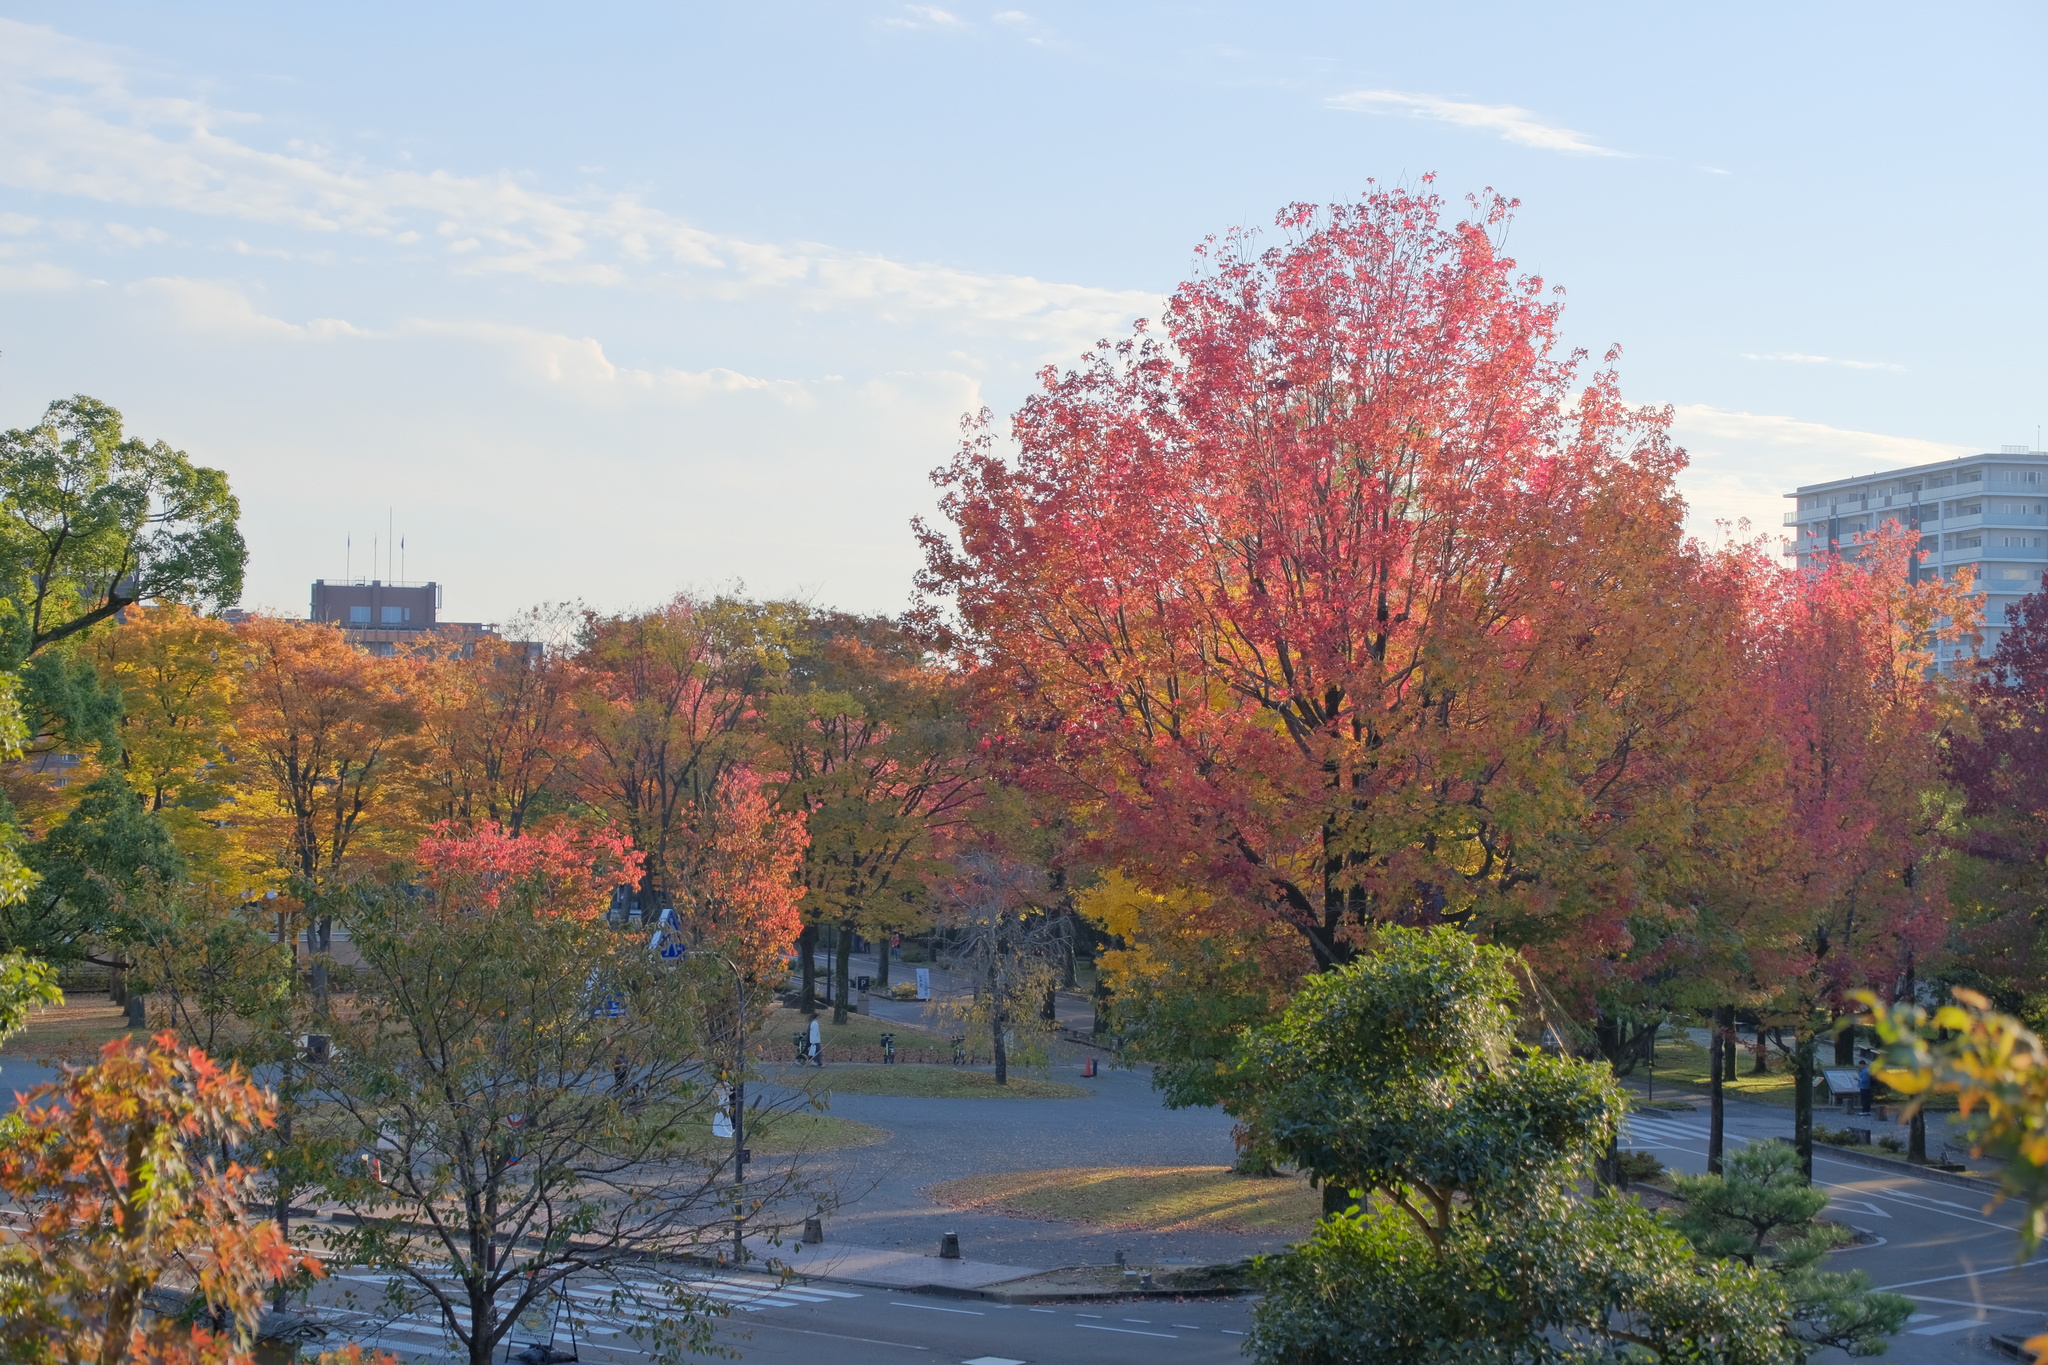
x: 1966, y: 1275
x: 930, y: 1308
x: 1961, y: 1324
x: 1127, y: 1331
x: 1963, y: 1303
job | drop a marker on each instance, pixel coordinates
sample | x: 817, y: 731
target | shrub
x: 1640, y: 1166
x: 903, y: 990
x: 1891, y: 1144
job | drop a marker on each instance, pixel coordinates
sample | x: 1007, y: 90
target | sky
x: 603, y: 302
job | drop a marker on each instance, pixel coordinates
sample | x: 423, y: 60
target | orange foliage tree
x: 498, y: 727
x: 113, y: 1169
x: 743, y: 882
x: 668, y: 705
x: 322, y: 731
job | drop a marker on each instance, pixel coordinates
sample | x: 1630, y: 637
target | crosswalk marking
x: 1938, y: 1328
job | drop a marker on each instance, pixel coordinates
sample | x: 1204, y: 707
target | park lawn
x: 860, y: 1035
x: 1144, y: 1198
x: 932, y: 1082
x: 74, y: 1031
x: 1680, y: 1061
x: 785, y: 1133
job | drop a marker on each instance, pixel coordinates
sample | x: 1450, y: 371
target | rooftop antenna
x: 348, y: 546
x: 373, y: 552
x: 390, y: 520
x: 401, y: 558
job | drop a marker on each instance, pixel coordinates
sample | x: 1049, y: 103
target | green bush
x: 1891, y: 1144
x: 1640, y: 1166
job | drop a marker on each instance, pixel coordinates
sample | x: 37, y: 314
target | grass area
x: 934, y: 1082
x: 1682, y: 1062
x: 72, y: 1032
x: 1144, y: 1198
x: 780, y: 1134
x: 859, y: 1039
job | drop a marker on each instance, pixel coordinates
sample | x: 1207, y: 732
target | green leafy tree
x: 531, y: 1094
x: 104, y: 848
x: 1474, y: 1231
x: 1761, y: 1211
x: 93, y: 520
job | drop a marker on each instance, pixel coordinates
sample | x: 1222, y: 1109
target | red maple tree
x: 1345, y: 603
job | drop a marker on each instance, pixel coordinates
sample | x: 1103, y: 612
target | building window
x: 1969, y: 509
x: 359, y: 616
x: 394, y: 616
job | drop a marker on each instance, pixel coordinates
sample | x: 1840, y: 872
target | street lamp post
x: 674, y: 951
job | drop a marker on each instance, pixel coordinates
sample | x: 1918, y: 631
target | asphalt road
x: 799, y: 1324
x: 1936, y: 1243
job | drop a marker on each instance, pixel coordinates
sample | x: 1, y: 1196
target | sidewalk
x: 878, y: 1268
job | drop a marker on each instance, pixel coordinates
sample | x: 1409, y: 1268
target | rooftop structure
x: 381, y: 616
x: 1988, y: 512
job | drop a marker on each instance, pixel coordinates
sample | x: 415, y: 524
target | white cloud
x: 70, y: 124
x: 926, y: 17
x: 1514, y: 124
x: 1794, y: 358
x: 1743, y: 463
x: 577, y: 365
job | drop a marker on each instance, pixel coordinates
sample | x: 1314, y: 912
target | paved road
x: 1936, y: 1243
x: 800, y: 1324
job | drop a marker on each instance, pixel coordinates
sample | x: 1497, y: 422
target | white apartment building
x: 1989, y: 512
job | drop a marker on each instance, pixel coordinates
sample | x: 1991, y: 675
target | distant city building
x: 381, y: 617
x: 1987, y: 512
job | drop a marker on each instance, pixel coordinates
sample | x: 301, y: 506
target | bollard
x: 814, y: 1231
x: 1145, y: 1280
x: 1119, y: 1259
x: 138, y: 1012
x: 949, y: 1247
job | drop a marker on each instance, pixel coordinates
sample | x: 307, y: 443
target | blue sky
x: 605, y: 301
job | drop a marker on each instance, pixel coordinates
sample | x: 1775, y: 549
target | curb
x: 995, y: 1293
x: 1896, y: 1167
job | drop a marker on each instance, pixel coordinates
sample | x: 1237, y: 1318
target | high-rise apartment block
x: 1989, y: 512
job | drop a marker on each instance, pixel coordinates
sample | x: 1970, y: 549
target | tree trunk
x: 995, y: 1014
x: 842, y: 962
x: 117, y: 985
x: 1845, y: 1045
x: 1727, y: 1042
x: 1336, y: 1199
x: 806, y: 951
x: 1717, y: 1045
x: 1802, y: 1099
x: 883, y: 950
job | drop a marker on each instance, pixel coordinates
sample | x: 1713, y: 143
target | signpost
x: 924, y: 983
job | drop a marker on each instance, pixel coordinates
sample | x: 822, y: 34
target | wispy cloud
x: 72, y: 124
x: 925, y: 17
x: 1794, y: 358
x: 1511, y: 122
